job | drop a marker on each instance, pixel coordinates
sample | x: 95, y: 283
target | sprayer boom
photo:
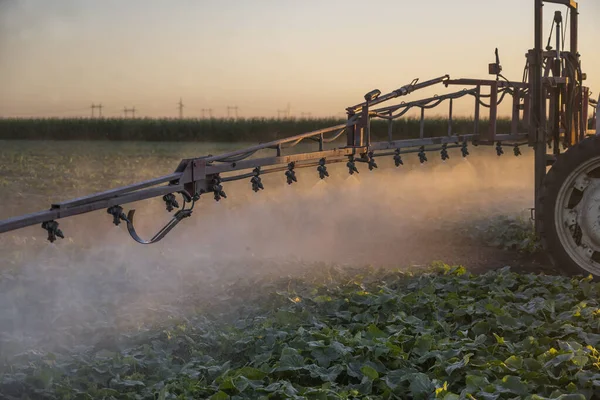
x: 550, y: 110
x: 202, y: 176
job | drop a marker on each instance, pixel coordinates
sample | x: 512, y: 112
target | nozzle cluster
x: 217, y: 188
x: 322, y: 169
x: 422, y: 155
x: 170, y: 201
x: 371, y: 161
x: 516, y: 150
x: 351, y: 164
x: 53, y: 231
x: 444, y: 152
x: 464, y: 150
x: 290, y: 174
x: 256, y: 181
x: 398, y: 158
x: 119, y: 215
x: 499, y: 150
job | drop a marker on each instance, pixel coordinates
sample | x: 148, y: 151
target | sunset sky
x: 57, y: 57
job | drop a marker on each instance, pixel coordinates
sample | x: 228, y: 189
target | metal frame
x: 552, y: 75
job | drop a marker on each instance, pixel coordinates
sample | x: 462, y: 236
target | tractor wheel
x: 570, y: 210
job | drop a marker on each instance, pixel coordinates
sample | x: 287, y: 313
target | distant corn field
x: 214, y: 130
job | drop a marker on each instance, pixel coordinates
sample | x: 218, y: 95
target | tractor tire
x: 569, y: 214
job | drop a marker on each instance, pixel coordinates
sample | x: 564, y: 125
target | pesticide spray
x: 100, y: 282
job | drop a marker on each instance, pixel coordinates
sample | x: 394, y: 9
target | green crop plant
x: 213, y: 130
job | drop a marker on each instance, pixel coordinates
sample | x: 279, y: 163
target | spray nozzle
x: 516, y: 150
x: 256, y: 181
x: 170, y: 201
x: 444, y: 152
x: 118, y: 214
x: 398, y: 158
x: 371, y: 161
x: 464, y: 150
x: 499, y: 150
x: 421, y: 154
x: 217, y: 188
x: 351, y: 165
x: 53, y: 232
x: 291, y: 174
x: 322, y: 169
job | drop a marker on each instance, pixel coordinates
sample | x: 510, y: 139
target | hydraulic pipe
x: 403, y: 91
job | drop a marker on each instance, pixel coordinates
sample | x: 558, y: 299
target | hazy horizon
x: 59, y: 57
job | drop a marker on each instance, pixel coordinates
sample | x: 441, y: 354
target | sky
x: 320, y: 56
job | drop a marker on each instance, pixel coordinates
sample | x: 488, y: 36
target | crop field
x: 321, y: 290
x: 212, y: 130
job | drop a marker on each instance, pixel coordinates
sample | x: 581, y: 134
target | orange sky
x: 58, y: 57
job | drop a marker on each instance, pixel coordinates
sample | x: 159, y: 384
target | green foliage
x: 212, y: 130
x: 381, y: 334
x: 508, y: 233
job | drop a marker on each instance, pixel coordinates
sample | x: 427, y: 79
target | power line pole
x: 285, y: 112
x: 99, y: 107
x: 209, y: 110
x: 129, y: 110
x: 180, y: 105
x: 234, y: 108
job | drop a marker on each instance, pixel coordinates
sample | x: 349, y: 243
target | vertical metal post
x: 516, y: 116
x: 390, y: 127
x: 422, y: 130
x: 538, y: 118
x: 477, y: 106
x: 450, y: 119
x: 352, y: 132
x: 585, y: 103
x: 574, y: 30
x: 367, y: 122
x: 493, y: 111
x: 577, y: 131
x: 555, y: 118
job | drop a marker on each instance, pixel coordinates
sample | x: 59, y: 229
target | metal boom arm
x: 554, y: 75
x: 198, y: 176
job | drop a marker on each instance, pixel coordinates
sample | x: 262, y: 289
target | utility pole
x: 180, y: 106
x: 234, y: 108
x: 99, y: 107
x: 285, y: 112
x: 129, y: 110
x: 209, y: 110
x: 305, y: 115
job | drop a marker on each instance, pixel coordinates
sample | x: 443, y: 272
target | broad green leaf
x: 290, y: 360
x: 481, y: 327
x: 475, y: 383
x: 220, y: 395
x: 374, y: 332
x: 459, y: 364
x: 369, y: 372
x: 514, y: 362
x: 513, y: 384
x: 250, y: 373
x: 423, y: 344
x: 421, y: 385
x: 326, y: 374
